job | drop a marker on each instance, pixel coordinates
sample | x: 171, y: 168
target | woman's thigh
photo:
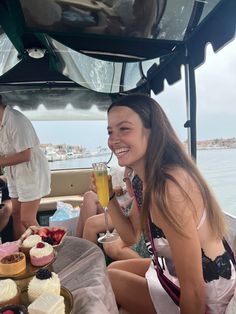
x: 138, y: 266
x: 131, y: 291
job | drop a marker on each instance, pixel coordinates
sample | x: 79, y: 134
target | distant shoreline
x: 214, y: 148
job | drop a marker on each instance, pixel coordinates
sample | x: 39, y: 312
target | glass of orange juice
x: 101, y: 177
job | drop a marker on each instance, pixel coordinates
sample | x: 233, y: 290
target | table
x: 81, y: 267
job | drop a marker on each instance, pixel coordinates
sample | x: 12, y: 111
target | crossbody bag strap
x: 171, y: 289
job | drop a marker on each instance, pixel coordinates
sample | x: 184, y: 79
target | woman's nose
x: 114, y: 139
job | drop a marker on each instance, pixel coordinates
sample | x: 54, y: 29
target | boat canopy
x: 92, y: 51
x: 103, y: 44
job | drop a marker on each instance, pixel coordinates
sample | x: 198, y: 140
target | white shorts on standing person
x: 26, y: 167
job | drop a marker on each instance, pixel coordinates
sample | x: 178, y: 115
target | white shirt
x: 30, y: 180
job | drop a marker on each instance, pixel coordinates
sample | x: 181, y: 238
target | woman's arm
x: 185, y: 248
x: 129, y: 228
x: 17, y: 158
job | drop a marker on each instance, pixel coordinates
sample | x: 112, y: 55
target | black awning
x: 174, y: 27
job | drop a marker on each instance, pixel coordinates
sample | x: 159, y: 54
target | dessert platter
x: 44, y: 294
x: 27, y: 283
x: 18, y: 264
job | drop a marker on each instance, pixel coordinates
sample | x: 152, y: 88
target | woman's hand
x: 93, y: 184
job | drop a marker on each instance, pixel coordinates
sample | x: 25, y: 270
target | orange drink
x: 102, y: 186
x: 101, y: 177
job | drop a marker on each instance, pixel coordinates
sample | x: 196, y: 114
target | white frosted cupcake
x: 44, y: 282
x: 30, y: 242
x: 9, y: 293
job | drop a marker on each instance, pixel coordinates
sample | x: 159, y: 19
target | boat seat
x: 50, y: 203
x: 67, y: 186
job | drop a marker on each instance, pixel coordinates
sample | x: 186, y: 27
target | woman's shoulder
x: 180, y: 176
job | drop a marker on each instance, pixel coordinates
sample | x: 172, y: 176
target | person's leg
x: 94, y: 225
x: 18, y: 227
x: 118, y: 250
x: 88, y: 208
x: 5, y: 213
x: 130, y: 286
x: 29, y: 213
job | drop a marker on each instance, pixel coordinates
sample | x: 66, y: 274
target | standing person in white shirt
x: 27, y: 171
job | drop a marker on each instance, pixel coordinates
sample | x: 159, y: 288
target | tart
x: 12, y: 264
x: 43, y: 282
x: 10, y: 293
x: 41, y: 254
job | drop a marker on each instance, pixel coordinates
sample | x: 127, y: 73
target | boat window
x: 8, y: 54
x: 161, y: 19
x: 95, y: 74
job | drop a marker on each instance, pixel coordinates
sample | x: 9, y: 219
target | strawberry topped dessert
x: 41, y: 254
x: 52, y: 236
x: 13, y: 309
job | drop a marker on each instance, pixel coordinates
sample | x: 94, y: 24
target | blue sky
x: 216, y: 106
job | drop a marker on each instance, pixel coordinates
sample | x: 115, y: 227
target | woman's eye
x: 124, y: 129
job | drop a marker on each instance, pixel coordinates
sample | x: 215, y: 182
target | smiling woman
x: 183, y: 223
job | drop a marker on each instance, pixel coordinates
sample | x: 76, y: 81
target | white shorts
x: 29, y: 181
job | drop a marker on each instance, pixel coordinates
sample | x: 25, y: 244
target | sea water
x: 218, y: 166
x: 219, y: 169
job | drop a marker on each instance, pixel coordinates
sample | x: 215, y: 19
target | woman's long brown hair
x: 165, y: 152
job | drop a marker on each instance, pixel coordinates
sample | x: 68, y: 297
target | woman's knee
x: 115, y: 265
x: 113, y: 251
x: 90, y: 196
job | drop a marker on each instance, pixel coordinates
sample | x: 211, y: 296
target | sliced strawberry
x: 58, y: 235
x: 43, y: 232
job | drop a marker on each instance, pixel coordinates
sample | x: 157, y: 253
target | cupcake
x: 43, y: 282
x: 30, y: 242
x: 10, y: 293
x: 41, y: 254
x: 8, y: 248
x: 13, y: 309
x: 12, y: 264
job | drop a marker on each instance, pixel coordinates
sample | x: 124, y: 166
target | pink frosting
x: 8, y: 248
x: 41, y: 261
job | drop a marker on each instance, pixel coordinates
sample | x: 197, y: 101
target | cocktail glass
x: 101, y: 177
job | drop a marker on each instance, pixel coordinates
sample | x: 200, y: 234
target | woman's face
x: 128, y: 139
